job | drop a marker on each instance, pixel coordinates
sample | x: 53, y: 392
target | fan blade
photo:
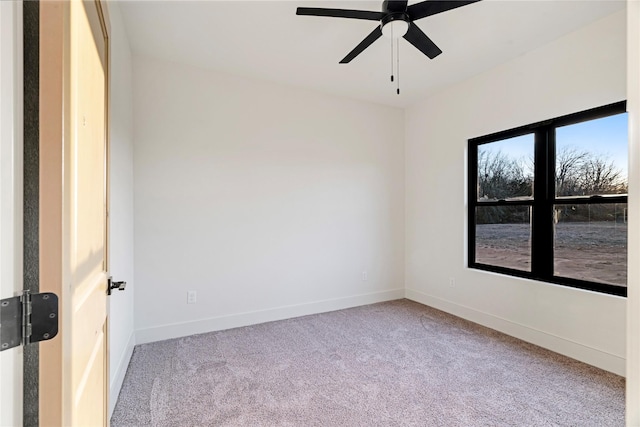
x: 340, y: 13
x: 432, y: 7
x: 375, y: 35
x: 416, y: 37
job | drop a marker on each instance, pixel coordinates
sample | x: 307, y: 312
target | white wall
x: 121, y: 327
x: 633, y: 299
x: 11, y: 192
x: 581, y: 70
x: 268, y: 201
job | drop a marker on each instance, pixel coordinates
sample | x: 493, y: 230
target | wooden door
x: 73, y: 209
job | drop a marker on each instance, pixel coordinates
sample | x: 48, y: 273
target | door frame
x: 11, y: 197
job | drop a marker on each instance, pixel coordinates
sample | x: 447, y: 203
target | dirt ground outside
x: 593, y: 251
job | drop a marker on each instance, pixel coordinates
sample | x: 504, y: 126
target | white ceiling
x: 267, y: 40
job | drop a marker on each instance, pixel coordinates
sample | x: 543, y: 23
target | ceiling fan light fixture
x: 395, y: 29
x: 396, y: 20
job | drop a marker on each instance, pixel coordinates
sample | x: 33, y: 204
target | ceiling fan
x: 396, y: 20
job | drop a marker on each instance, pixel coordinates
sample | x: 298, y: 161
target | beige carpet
x: 390, y: 364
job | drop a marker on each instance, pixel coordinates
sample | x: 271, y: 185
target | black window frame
x: 543, y: 200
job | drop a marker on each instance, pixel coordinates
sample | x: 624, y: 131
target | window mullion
x: 543, y: 193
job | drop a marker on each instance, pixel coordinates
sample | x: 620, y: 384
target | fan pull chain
x: 397, y: 65
x: 391, y: 54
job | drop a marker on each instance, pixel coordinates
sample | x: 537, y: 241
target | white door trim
x: 11, y: 194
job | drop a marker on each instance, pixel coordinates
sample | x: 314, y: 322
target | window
x: 549, y: 201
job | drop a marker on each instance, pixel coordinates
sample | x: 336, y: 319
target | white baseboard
x: 176, y: 330
x: 607, y: 361
x: 120, y: 371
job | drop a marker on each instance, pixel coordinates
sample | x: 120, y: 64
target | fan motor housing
x: 391, y: 6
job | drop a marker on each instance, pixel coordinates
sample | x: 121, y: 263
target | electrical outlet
x: 191, y: 297
x: 365, y: 276
x: 452, y: 282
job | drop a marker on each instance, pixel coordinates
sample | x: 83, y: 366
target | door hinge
x: 27, y: 319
